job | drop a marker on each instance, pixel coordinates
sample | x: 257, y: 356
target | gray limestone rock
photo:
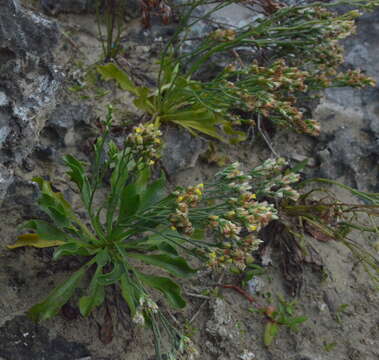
x: 181, y: 150
x: 65, y: 122
x: 56, y: 7
x: 350, y: 117
x: 29, y: 81
x: 22, y: 339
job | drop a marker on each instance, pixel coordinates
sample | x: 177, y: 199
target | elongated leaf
x: 167, y: 248
x: 145, y: 100
x: 77, y: 174
x: 153, y: 194
x: 130, y: 293
x: 77, y: 170
x: 130, y: 200
x: 169, y: 289
x: 175, y: 265
x: 45, y: 231
x: 71, y: 248
x: 158, y: 241
x: 96, y: 295
x: 142, y: 180
x: 271, y: 330
x: 54, y: 204
x: 112, y: 276
x: 35, y: 241
x: 236, y: 136
x: 56, y: 197
x: 113, y: 72
x: 57, y: 298
x: 296, y: 321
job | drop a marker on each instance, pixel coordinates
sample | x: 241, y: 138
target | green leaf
x: 57, y: 298
x: 56, y: 197
x: 236, y: 136
x: 129, y: 204
x: 169, y: 289
x: 153, y: 194
x: 71, y: 248
x: 77, y: 170
x: 113, y: 72
x: 112, y: 276
x: 271, y: 330
x: 158, y: 241
x: 55, y: 210
x: 167, y: 248
x: 45, y: 231
x: 297, y: 321
x: 102, y: 258
x: 145, y: 100
x: 200, y: 119
x: 77, y: 175
x: 35, y: 241
x: 142, y: 180
x: 130, y: 293
x: 96, y: 294
x: 175, y: 265
x: 54, y: 204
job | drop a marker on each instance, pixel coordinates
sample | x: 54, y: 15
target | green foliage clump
x: 133, y: 221
x: 302, y: 43
x: 278, y: 316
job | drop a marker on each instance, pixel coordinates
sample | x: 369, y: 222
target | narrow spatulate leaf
x: 96, y: 295
x: 57, y: 298
x: 45, y: 231
x: 130, y: 293
x: 175, y: 265
x: 35, y: 241
x: 169, y: 289
x: 113, y: 72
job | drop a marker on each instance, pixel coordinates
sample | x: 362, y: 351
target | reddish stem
x: 239, y: 290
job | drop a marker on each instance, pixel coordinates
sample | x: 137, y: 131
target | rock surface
x: 21, y: 339
x: 29, y: 82
x: 181, y: 150
x: 350, y: 117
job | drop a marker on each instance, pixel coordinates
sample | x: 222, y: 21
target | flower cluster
x: 234, y: 178
x: 238, y: 254
x: 146, y: 305
x: 224, y: 35
x: 272, y: 182
x: 236, y: 228
x: 227, y: 228
x: 145, y: 140
x: 186, y: 350
x: 253, y: 215
x: 185, y: 199
x: 269, y: 167
x: 269, y: 91
x: 355, y: 78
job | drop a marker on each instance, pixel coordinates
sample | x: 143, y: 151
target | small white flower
x: 139, y: 319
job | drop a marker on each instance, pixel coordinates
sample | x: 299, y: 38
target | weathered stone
x: 55, y: 7
x: 221, y: 329
x: 67, y: 118
x: 350, y: 117
x: 6, y: 178
x: 181, y: 150
x: 29, y: 81
x: 22, y: 339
